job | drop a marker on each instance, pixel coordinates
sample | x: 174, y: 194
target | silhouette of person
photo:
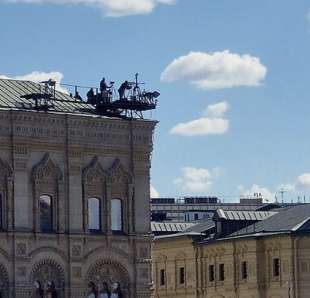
x: 90, y: 93
x: 121, y: 91
x: 77, y: 96
x: 103, y: 85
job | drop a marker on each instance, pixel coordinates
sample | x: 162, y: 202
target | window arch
x: 116, y: 215
x: 94, y: 213
x: 46, y: 213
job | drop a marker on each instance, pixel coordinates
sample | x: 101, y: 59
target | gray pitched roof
x: 244, y: 215
x: 292, y: 219
x: 202, y: 226
x: 12, y: 90
x: 170, y: 227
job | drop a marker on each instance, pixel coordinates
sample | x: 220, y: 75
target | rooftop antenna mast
x: 282, y: 192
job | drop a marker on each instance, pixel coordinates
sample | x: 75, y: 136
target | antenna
x: 282, y: 191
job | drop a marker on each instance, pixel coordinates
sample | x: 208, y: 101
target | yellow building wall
x: 171, y: 255
x: 294, y: 274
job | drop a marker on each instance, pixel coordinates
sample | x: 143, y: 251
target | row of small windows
x: 244, y: 270
x: 94, y: 214
x: 221, y: 272
x: 181, y: 277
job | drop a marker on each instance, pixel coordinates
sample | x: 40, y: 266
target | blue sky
x: 235, y: 73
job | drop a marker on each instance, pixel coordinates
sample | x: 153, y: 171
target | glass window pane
x: 116, y: 215
x: 46, y: 215
x: 94, y: 214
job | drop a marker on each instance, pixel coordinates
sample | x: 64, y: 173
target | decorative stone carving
x: 76, y: 250
x: 76, y: 272
x: 21, y: 249
x: 4, y: 278
x: 118, y: 175
x: 21, y: 271
x: 46, y: 170
x: 94, y: 173
x: 110, y: 272
x: 21, y: 149
x: 48, y: 271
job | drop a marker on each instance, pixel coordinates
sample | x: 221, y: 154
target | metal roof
x: 202, y: 226
x: 244, y: 215
x: 12, y: 90
x: 170, y: 227
x: 292, y: 219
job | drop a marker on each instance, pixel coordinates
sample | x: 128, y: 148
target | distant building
x: 74, y: 197
x: 191, y: 209
x: 244, y: 254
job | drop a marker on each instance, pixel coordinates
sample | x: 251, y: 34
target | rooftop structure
x: 26, y: 95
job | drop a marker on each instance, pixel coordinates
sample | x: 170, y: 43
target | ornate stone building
x: 238, y: 255
x: 74, y: 199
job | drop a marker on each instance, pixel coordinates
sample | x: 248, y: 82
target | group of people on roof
x: 105, y: 94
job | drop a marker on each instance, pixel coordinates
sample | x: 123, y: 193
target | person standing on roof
x: 91, y: 96
x: 77, y: 96
x: 90, y: 93
x: 121, y: 91
x: 103, y: 85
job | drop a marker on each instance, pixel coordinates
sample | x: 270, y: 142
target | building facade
x: 271, y: 261
x: 74, y: 201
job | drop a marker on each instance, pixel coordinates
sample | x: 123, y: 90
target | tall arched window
x: 94, y: 223
x: 46, y: 213
x: 116, y: 215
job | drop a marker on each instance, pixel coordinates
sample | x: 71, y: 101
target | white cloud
x: 303, y: 182
x: 266, y: 194
x: 291, y: 191
x: 216, y: 70
x: 194, y: 179
x: 212, y: 123
x: 39, y: 76
x: 154, y: 192
x: 201, y: 127
x: 112, y: 8
x: 217, y: 109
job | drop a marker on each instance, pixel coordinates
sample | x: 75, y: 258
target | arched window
x: 94, y: 223
x: 116, y: 215
x: 46, y: 213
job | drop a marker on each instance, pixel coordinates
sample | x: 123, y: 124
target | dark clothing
x: 78, y: 96
x: 103, y: 86
x: 122, y: 89
x: 91, y: 97
x: 90, y: 93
